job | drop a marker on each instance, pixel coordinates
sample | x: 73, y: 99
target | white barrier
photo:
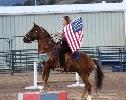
x: 77, y: 84
x: 35, y: 86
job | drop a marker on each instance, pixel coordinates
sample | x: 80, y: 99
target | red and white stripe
x: 74, y: 39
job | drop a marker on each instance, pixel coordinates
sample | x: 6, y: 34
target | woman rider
x: 64, y: 45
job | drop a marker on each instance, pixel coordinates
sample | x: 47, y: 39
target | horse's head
x: 33, y: 34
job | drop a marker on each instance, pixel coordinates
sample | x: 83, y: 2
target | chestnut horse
x: 83, y: 66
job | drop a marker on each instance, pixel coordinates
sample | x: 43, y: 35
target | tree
x: 50, y: 2
x: 29, y: 3
x: 18, y: 4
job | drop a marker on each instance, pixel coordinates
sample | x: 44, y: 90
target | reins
x: 50, y: 41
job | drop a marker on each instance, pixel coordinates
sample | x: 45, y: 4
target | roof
x: 69, y: 8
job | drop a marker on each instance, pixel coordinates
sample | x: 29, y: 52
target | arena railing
x: 113, y: 56
x: 92, y: 51
x: 4, y: 68
x: 22, y: 60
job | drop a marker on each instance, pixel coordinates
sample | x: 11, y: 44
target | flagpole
x: 124, y: 2
x: 35, y: 3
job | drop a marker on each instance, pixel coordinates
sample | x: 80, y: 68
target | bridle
x: 36, y: 31
x: 44, y: 36
x: 50, y: 41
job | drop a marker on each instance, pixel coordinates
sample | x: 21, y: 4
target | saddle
x: 76, y: 55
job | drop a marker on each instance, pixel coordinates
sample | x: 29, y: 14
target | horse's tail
x: 98, y: 75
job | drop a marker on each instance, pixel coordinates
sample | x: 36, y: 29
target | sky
x: 10, y: 2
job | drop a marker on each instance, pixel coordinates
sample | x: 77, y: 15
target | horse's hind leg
x: 87, y: 86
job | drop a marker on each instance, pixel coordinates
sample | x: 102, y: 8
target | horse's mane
x: 46, y: 32
x: 49, y: 36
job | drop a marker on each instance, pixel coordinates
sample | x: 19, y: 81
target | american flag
x: 74, y: 34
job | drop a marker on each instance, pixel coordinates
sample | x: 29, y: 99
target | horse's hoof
x: 41, y: 91
x: 45, y: 89
x: 89, y: 97
x: 82, y: 96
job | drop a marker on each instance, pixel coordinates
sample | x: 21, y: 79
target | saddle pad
x: 76, y: 55
x: 43, y: 57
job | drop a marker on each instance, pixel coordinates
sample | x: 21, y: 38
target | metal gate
x: 5, y: 45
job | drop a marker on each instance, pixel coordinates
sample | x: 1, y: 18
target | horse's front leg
x: 45, y: 77
x: 43, y: 74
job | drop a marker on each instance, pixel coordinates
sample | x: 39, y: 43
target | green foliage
x: 40, y: 2
x: 51, y: 2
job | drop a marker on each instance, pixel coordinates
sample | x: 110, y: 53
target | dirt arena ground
x: 114, y: 87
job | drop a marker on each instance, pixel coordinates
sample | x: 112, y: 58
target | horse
x: 83, y: 66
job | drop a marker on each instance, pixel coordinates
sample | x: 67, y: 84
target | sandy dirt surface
x: 114, y: 86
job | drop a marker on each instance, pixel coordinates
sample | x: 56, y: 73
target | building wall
x: 100, y: 28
